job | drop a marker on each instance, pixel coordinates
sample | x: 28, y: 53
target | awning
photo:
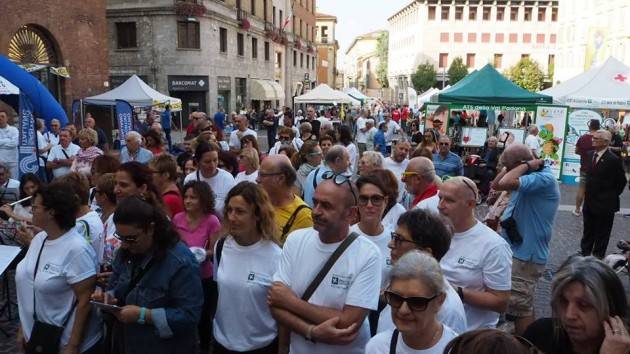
x: 279, y: 90
x: 266, y: 90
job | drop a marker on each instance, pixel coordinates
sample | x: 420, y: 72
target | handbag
x: 45, y: 338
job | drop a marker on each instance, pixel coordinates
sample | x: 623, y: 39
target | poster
x: 437, y: 112
x: 551, y: 123
x: 597, y: 47
x: 512, y: 135
x: 124, y: 117
x: 28, y: 143
x: 473, y: 137
x: 576, y: 127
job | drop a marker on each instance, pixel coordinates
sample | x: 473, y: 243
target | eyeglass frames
x: 339, y: 179
x: 415, y: 303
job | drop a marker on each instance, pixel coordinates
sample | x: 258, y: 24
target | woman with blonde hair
x: 250, y: 162
x: 244, y: 264
x: 88, y: 138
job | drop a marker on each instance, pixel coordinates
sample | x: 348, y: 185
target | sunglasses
x: 409, y: 174
x: 339, y: 179
x: 415, y: 303
x: 376, y: 200
x: 126, y: 238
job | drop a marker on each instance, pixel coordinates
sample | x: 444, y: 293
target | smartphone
x: 106, y: 307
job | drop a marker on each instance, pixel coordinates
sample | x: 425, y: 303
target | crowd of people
x: 345, y: 236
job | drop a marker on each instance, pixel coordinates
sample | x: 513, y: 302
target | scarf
x: 428, y: 193
x: 88, y: 155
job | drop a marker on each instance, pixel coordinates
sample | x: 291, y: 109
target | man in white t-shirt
x: 362, y: 130
x: 532, y: 141
x: 9, y: 139
x: 419, y: 178
x: 333, y: 320
x: 392, y: 128
x: 397, y: 163
x: 61, y: 156
x: 242, y: 130
x: 479, y: 262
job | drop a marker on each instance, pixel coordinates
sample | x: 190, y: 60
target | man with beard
x: 332, y: 318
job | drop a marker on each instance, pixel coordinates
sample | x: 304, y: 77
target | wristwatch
x: 141, y: 318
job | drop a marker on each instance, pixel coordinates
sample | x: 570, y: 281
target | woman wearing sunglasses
x: 425, y: 231
x: 416, y: 293
x: 155, y: 283
x: 244, y: 264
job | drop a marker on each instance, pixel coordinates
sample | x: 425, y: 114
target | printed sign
x: 27, y: 157
x: 577, y: 126
x: 551, y: 122
x: 125, y: 120
x: 473, y: 136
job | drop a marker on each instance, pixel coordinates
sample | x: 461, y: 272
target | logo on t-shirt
x: 461, y: 260
x: 340, y: 281
x: 251, y: 276
x: 259, y: 278
x: 51, y: 269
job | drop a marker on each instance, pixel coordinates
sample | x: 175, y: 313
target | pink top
x: 199, y: 237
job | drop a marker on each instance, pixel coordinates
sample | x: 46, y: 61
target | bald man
x: 419, y: 179
x: 534, y: 201
x: 479, y: 261
x: 332, y: 320
x: 277, y: 177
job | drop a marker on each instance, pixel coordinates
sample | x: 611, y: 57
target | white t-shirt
x: 57, y: 153
x: 430, y: 204
x: 41, y: 143
x: 243, y: 320
x: 95, y: 234
x: 64, y: 261
x: 381, y: 242
x: 243, y: 176
x: 9, y: 139
x: 221, y: 183
x: 237, y: 135
x: 381, y: 342
x: 479, y: 258
x: 533, y: 143
x: 392, y: 128
x: 397, y: 168
x: 361, y: 137
x: 353, y: 151
x: 451, y: 314
x: 354, y: 280
x: 391, y: 218
x: 51, y: 138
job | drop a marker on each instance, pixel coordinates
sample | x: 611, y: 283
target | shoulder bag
x: 291, y: 221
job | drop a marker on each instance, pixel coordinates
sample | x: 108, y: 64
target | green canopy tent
x: 488, y: 86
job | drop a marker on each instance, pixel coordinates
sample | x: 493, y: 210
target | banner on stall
x: 577, y: 126
x: 27, y: 156
x: 124, y: 116
x: 511, y: 135
x: 552, y: 122
x: 473, y: 137
x: 436, y: 112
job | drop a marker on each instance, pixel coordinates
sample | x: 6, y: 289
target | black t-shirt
x: 549, y: 339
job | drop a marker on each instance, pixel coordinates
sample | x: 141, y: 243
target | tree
x: 527, y: 74
x: 457, y: 71
x: 424, y: 78
x: 382, y: 52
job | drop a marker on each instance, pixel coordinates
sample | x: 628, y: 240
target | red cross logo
x: 621, y: 78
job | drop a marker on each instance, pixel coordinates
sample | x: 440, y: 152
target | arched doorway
x: 34, y: 48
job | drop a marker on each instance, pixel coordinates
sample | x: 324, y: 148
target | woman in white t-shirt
x: 106, y: 200
x: 250, y: 161
x: 244, y: 264
x: 55, y: 279
x: 345, y: 138
x: 415, y: 294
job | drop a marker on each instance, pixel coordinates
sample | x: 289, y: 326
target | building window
x: 500, y: 13
x: 472, y: 14
x: 240, y: 44
x: 223, y: 40
x: 188, y: 35
x: 273, y: 17
x: 527, y: 37
x: 513, y: 37
x: 294, y: 58
x: 472, y: 37
x: 470, y: 60
x: 554, y: 14
x: 499, y: 37
x: 446, y: 9
x: 551, y: 61
x: 498, y: 61
x: 313, y: 64
x: 444, y: 37
x: 542, y: 12
x: 552, y: 38
x: 524, y: 56
x: 252, y: 7
x: 459, y: 13
x: 308, y: 61
x: 540, y: 38
x: 267, y: 54
x: 278, y: 60
x: 254, y: 48
x: 126, y: 35
x: 486, y: 13
x: 431, y: 12
x: 443, y: 60
x: 485, y: 38
x: 265, y: 14
x: 241, y: 92
x: 514, y: 14
x: 280, y: 19
x: 528, y: 14
x: 301, y: 60
x: 458, y: 37
x: 324, y: 32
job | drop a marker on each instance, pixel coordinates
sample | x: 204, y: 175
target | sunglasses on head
x: 415, y: 303
x: 340, y: 179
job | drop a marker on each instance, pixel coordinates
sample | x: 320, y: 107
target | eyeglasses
x: 339, y: 179
x: 445, y: 144
x: 409, y: 174
x: 376, y: 200
x: 398, y: 239
x: 126, y: 238
x: 415, y: 303
x: 284, y: 138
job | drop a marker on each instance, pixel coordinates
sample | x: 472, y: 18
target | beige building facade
x: 360, y: 63
x: 327, y: 49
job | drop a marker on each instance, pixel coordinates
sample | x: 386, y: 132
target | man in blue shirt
x: 166, y: 125
x: 132, y: 151
x: 219, y: 119
x: 336, y: 160
x: 447, y: 163
x: 534, y: 200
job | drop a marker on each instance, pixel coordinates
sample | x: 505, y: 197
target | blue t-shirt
x: 536, y: 199
x: 166, y: 119
x: 219, y: 120
x: 379, y: 139
x: 451, y: 166
x: 309, y: 189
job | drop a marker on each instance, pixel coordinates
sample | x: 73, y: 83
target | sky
x: 357, y: 17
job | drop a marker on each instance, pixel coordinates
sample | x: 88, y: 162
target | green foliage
x: 527, y: 74
x: 382, y: 52
x: 457, y: 71
x: 424, y: 78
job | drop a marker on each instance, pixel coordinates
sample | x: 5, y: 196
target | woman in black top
x: 589, y: 311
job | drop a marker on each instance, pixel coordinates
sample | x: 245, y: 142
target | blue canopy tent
x: 43, y: 102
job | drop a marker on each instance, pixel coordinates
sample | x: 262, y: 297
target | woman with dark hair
x: 155, y: 282
x: 198, y: 227
x: 29, y: 184
x: 345, y: 138
x: 429, y: 141
x: 153, y: 142
x: 589, y: 311
x: 101, y: 165
x: 135, y: 179
x: 422, y: 230
x: 306, y: 160
x: 220, y: 181
x: 389, y: 183
x: 244, y: 264
x: 228, y: 162
x: 55, y: 279
x: 164, y: 168
x: 490, y: 341
x: 252, y: 142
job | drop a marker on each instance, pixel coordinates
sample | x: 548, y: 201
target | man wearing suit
x: 605, y: 181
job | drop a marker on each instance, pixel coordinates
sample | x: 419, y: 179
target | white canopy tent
x: 323, y: 94
x: 426, y: 95
x: 354, y: 93
x: 7, y: 88
x: 606, y: 86
x: 137, y: 93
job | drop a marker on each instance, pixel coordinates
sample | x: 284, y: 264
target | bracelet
x: 142, y: 313
x: 309, y: 334
x: 460, y: 292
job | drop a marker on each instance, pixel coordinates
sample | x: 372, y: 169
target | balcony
x: 241, y: 17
